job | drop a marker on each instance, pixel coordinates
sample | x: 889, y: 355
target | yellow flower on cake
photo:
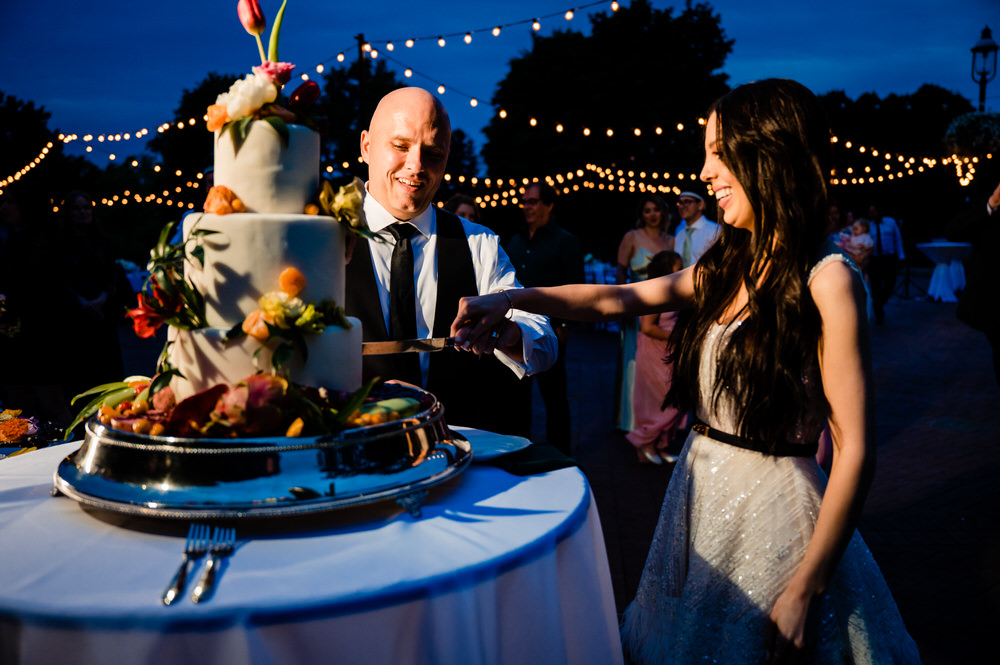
x: 281, y: 309
x: 349, y: 202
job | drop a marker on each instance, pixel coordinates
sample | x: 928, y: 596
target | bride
x: 755, y: 558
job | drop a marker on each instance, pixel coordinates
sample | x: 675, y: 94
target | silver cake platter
x: 182, y: 478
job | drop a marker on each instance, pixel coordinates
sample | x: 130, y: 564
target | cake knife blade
x: 407, y: 346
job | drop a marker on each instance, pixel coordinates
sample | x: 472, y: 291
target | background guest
x: 638, y: 246
x: 883, y: 266
x: 695, y: 233
x: 656, y: 425
x: 464, y: 206
x: 545, y: 254
x: 859, y: 244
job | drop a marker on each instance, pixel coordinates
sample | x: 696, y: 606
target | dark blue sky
x: 117, y: 66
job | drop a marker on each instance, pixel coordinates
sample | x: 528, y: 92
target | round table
x: 949, y: 274
x: 499, y: 569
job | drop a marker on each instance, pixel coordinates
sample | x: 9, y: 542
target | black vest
x: 470, y: 387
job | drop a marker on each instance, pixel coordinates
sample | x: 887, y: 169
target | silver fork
x: 223, y: 544
x: 195, y: 548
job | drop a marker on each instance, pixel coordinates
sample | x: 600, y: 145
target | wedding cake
x: 243, y: 255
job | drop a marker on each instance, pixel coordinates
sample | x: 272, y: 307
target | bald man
x: 406, y: 148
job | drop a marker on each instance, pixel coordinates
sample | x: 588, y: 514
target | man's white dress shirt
x: 493, y: 272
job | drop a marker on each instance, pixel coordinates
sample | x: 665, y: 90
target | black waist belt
x: 779, y: 449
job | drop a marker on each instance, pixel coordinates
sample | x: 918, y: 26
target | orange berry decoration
x: 291, y: 281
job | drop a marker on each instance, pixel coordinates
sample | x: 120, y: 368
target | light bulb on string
x: 441, y: 89
x: 536, y: 25
x: 468, y: 38
x: 441, y: 41
x: 496, y: 31
x: 569, y: 15
x: 409, y: 43
x: 408, y: 72
x: 389, y: 46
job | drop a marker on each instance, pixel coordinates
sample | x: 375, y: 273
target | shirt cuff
x: 539, y: 346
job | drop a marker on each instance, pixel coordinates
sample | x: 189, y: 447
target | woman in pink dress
x: 655, y: 425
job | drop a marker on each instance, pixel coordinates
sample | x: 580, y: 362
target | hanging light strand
x: 495, y: 30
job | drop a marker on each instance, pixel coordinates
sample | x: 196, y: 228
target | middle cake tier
x: 246, y: 255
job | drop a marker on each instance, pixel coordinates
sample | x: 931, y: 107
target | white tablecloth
x: 949, y: 274
x: 500, y: 569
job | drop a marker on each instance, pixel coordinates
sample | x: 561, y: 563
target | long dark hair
x: 773, y: 136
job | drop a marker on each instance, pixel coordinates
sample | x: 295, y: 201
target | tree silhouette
x: 640, y: 68
x: 191, y: 149
x: 350, y: 95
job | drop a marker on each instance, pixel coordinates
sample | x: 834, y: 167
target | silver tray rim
x: 154, y: 509
x: 67, y: 475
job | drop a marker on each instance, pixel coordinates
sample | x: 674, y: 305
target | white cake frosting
x: 268, y: 176
x: 244, y: 259
x: 206, y: 359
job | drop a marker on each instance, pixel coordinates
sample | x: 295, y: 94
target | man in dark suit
x: 409, y: 285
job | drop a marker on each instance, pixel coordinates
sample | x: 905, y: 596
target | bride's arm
x: 845, y: 363
x: 576, y: 302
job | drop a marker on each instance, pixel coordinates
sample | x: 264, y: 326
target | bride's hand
x: 476, y: 321
x: 791, y: 629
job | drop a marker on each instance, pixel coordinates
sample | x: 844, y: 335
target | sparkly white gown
x: 733, y: 528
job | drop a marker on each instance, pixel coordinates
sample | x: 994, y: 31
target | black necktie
x: 402, y: 300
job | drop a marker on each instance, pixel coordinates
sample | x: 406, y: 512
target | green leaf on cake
x: 101, y: 389
x: 162, y: 380
x: 282, y: 354
x: 198, y: 254
x: 354, y: 402
x: 109, y: 394
x: 234, y: 333
x: 280, y: 127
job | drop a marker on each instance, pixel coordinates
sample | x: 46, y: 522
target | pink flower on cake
x: 278, y: 73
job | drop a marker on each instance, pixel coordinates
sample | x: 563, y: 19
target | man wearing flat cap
x: 695, y: 233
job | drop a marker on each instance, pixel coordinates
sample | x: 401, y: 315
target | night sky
x: 117, y: 66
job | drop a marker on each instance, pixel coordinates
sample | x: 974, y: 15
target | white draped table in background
x: 949, y: 274
x: 500, y: 569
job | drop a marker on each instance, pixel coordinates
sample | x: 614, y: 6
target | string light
x: 964, y: 167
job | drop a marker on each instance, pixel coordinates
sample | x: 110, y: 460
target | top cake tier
x: 268, y: 176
